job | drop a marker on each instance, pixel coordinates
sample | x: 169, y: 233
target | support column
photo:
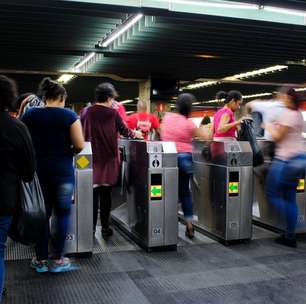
x: 145, y: 93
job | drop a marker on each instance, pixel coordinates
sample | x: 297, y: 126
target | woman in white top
x: 289, y: 162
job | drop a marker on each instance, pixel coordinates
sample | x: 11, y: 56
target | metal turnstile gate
x: 150, y: 183
x: 264, y: 213
x: 79, y: 239
x: 222, y: 189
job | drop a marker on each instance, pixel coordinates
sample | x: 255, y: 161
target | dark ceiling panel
x: 52, y: 35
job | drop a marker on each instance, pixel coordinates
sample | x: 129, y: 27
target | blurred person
x: 270, y: 110
x: 205, y: 120
x: 288, y: 164
x: 27, y: 101
x: 143, y: 121
x: 225, y: 125
x: 57, y: 135
x: 17, y: 162
x: 177, y: 127
x: 101, y: 124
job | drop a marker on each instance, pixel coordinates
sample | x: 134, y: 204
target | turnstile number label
x: 70, y: 237
x: 156, y: 231
x: 301, y: 185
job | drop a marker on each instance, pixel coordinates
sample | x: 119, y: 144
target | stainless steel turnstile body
x: 266, y: 214
x: 222, y: 189
x: 150, y: 183
x: 79, y: 240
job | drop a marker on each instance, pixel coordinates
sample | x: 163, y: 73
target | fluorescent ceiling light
x: 65, y: 78
x: 126, y: 101
x: 300, y: 89
x: 200, y: 85
x: 213, y: 4
x: 272, y: 69
x: 121, y: 30
x: 256, y: 95
x: 248, y: 96
x: 195, y: 103
x: 85, y: 60
x: 205, y: 56
x: 286, y: 11
x: 130, y: 112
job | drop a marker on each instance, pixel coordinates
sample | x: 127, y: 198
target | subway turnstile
x: 150, y: 183
x: 264, y: 213
x: 79, y: 239
x: 222, y: 189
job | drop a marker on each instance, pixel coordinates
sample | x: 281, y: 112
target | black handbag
x: 247, y: 133
x: 30, y: 219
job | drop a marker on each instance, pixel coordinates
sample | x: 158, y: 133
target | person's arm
x: 224, y: 124
x: 155, y: 123
x: 278, y: 133
x: 201, y: 133
x: 123, y: 130
x: 76, y: 136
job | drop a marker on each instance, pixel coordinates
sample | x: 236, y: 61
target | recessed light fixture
x: 247, y: 96
x: 118, y: 32
x: 247, y: 6
x: 268, y: 70
x: 200, y: 85
x: 300, y: 89
x: 65, y: 78
x: 126, y: 101
x: 272, y: 69
x: 84, y: 61
x: 206, y: 56
x: 281, y: 10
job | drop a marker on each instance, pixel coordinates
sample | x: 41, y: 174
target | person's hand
x: 244, y: 118
x: 138, y: 135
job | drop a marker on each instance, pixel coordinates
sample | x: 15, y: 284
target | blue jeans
x: 5, y: 222
x: 281, y: 186
x: 185, y: 166
x: 58, y: 198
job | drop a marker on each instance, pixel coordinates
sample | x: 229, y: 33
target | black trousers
x: 102, y: 199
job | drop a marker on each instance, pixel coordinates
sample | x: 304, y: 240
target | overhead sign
x: 233, y: 188
x: 301, y: 185
x: 156, y: 191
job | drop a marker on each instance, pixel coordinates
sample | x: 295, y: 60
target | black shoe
x: 189, y: 233
x: 283, y: 240
x: 4, y: 291
x: 106, y: 232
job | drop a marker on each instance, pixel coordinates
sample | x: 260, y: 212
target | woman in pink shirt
x: 178, y: 128
x: 225, y: 125
x: 289, y: 163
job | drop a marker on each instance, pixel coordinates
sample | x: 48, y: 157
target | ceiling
x: 51, y: 36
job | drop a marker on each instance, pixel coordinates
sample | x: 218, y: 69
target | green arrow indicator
x: 156, y: 190
x: 233, y: 187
